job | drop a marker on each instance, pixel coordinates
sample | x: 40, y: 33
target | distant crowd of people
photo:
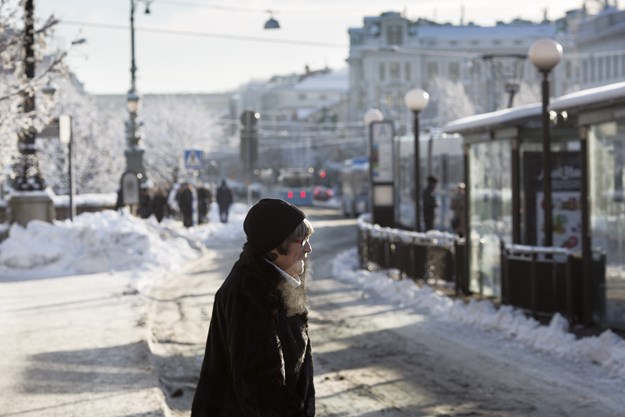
x: 183, y: 200
x: 191, y: 204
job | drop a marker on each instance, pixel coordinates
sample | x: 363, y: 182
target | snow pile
x: 93, y: 243
x: 110, y: 241
x: 606, y: 350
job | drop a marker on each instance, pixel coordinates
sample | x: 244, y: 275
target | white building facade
x: 482, y: 66
x: 391, y: 54
x: 600, y: 43
x: 466, y: 69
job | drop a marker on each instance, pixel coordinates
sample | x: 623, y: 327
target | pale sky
x: 217, y: 45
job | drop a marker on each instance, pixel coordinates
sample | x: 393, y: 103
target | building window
x: 591, y: 63
x: 600, y: 68
x: 476, y: 69
x: 394, y: 35
x: 356, y: 38
x: 432, y: 70
x: 382, y: 71
x: 407, y: 71
x: 568, y: 70
x: 393, y: 102
x: 302, y: 96
x: 454, y: 71
x: 608, y: 67
x: 374, y: 30
x: 393, y: 71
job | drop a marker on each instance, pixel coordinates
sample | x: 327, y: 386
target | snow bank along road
x: 376, y: 359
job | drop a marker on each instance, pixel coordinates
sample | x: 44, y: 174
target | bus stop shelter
x: 600, y: 118
x: 503, y: 174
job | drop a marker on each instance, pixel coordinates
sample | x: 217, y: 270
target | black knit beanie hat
x: 269, y: 222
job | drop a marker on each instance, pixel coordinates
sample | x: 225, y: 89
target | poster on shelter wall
x: 566, y: 176
x: 567, y: 219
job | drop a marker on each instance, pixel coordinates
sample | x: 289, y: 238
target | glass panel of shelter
x: 606, y: 148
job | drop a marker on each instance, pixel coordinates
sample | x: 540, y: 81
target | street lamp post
x: 507, y: 67
x: 372, y: 115
x: 416, y: 100
x: 31, y: 200
x: 545, y: 54
x: 29, y: 178
x: 134, y: 151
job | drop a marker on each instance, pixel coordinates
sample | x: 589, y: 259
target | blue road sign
x: 193, y: 158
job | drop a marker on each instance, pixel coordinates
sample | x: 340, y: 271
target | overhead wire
x: 321, y: 11
x: 203, y: 34
x: 209, y: 6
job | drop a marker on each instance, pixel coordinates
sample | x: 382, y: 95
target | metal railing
x: 549, y: 280
x: 540, y: 280
x: 416, y: 255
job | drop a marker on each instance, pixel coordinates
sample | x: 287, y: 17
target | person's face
x: 293, y: 262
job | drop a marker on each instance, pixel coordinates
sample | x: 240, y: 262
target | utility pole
x: 248, y: 149
x: 134, y: 151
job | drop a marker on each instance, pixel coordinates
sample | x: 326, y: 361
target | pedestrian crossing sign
x: 193, y: 158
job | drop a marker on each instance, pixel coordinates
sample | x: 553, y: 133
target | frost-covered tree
x: 173, y: 123
x: 170, y: 124
x: 448, y: 101
x: 97, y: 148
x: 22, y: 42
x: 528, y: 93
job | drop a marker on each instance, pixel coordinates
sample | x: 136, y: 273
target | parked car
x: 321, y: 193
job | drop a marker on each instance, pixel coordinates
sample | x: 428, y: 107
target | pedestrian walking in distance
x: 258, y: 359
x: 429, y: 203
x: 224, y: 201
x: 458, y: 223
x: 185, y: 202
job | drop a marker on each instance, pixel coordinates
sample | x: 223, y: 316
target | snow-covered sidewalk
x: 75, y: 346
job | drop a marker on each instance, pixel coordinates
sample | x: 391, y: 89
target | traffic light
x: 248, y: 149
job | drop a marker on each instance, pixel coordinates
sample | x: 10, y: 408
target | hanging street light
x: 271, y: 23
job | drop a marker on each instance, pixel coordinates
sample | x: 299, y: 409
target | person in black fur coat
x: 258, y: 359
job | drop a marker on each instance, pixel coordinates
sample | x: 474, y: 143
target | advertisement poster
x: 567, y: 219
x: 566, y: 177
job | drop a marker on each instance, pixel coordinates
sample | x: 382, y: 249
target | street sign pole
x: 66, y: 136
x: 381, y: 134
